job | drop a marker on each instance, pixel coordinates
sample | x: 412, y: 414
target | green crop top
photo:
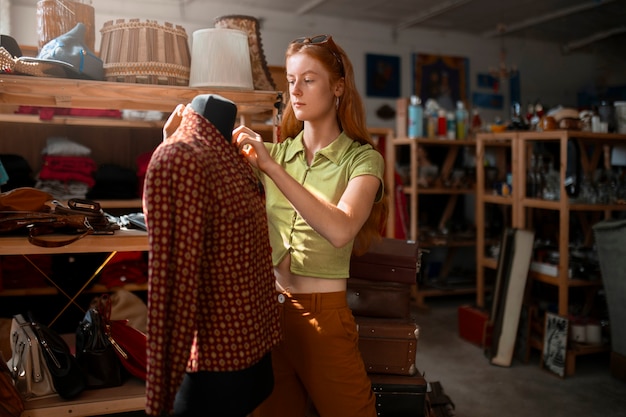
x: 328, y: 176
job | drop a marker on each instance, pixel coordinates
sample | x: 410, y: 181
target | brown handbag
x: 11, y: 403
x: 80, y: 218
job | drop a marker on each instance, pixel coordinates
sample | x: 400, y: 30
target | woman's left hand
x: 173, y: 121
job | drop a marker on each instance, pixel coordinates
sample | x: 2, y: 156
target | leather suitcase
x: 388, y: 346
x: 388, y: 259
x: 400, y: 396
x: 379, y: 299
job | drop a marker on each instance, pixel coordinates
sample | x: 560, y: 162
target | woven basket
x: 145, y: 52
x: 57, y: 17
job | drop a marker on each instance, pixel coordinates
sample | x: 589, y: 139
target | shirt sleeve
x: 174, y: 215
x: 370, y: 162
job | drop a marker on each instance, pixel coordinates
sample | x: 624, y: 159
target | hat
x: 10, y: 45
x: 64, y: 57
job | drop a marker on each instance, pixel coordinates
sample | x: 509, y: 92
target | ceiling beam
x: 513, y: 27
x: 440, y: 8
x: 579, y: 43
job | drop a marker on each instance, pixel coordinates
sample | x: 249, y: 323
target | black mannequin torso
x: 217, y: 110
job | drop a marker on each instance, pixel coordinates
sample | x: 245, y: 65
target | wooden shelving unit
x: 438, y: 188
x: 111, y: 141
x: 503, y: 146
x: 565, y: 207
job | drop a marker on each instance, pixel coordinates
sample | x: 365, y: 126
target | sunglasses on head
x: 325, y: 40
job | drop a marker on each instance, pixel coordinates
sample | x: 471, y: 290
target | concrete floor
x: 479, y: 389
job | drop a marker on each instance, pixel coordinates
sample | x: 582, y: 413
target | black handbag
x: 95, y: 353
x: 67, y: 376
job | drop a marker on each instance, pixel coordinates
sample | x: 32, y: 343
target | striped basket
x: 145, y: 52
x: 57, y: 17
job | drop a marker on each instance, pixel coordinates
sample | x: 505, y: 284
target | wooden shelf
x: 129, y: 397
x: 504, y: 148
x: 62, y: 92
x: 594, y: 145
x: 96, y: 289
x: 81, y: 121
x: 121, y: 241
x: 414, y: 189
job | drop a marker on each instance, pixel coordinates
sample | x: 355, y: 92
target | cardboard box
x: 473, y: 323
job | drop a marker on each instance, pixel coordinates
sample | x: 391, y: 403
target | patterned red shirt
x: 211, y: 296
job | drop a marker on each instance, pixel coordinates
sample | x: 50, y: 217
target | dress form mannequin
x: 208, y: 370
x: 217, y: 110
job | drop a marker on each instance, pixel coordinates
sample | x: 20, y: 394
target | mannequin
x: 212, y: 294
x: 217, y: 110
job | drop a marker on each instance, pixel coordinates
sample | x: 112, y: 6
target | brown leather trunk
x: 392, y: 260
x: 379, y: 299
x: 400, y: 396
x: 388, y: 346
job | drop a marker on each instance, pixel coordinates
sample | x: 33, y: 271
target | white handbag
x: 27, y: 364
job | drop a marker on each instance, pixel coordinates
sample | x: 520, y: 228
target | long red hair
x: 351, y: 119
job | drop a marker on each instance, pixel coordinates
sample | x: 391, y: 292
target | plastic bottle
x: 462, y: 121
x: 477, y: 122
x: 431, y: 125
x: 451, y: 125
x: 416, y: 118
x: 442, y: 124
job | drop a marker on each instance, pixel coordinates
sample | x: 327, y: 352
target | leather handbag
x: 27, y: 364
x: 130, y: 343
x: 132, y: 348
x: 80, y: 218
x: 11, y: 403
x: 67, y: 377
x: 96, y: 354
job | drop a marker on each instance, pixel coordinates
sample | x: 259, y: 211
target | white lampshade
x: 220, y: 58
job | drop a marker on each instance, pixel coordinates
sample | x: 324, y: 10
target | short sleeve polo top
x: 327, y: 177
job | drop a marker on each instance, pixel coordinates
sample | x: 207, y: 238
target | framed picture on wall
x: 442, y: 78
x: 383, y: 75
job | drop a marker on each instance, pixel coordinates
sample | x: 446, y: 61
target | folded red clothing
x: 47, y: 113
x: 68, y: 168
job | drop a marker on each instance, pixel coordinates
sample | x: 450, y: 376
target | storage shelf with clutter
x: 430, y: 165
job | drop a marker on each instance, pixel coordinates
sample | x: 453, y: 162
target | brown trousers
x: 318, y: 361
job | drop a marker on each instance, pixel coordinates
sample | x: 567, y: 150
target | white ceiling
x: 597, y: 26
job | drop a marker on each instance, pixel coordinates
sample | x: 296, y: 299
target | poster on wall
x: 383, y: 75
x: 555, y: 344
x: 442, y: 78
x: 487, y: 100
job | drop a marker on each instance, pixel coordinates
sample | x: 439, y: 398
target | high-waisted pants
x: 318, y: 360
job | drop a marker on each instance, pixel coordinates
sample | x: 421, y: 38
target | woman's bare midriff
x: 299, y: 284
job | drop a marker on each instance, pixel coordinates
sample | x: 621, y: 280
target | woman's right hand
x: 251, y: 146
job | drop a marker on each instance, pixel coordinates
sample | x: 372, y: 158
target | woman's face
x: 311, y: 94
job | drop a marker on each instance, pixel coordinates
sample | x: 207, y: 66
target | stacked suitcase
x: 379, y: 294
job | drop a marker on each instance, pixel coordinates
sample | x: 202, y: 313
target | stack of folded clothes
x: 67, y: 169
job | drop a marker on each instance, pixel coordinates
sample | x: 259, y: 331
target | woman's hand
x: 251, y: 146
x: 173, y: 121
